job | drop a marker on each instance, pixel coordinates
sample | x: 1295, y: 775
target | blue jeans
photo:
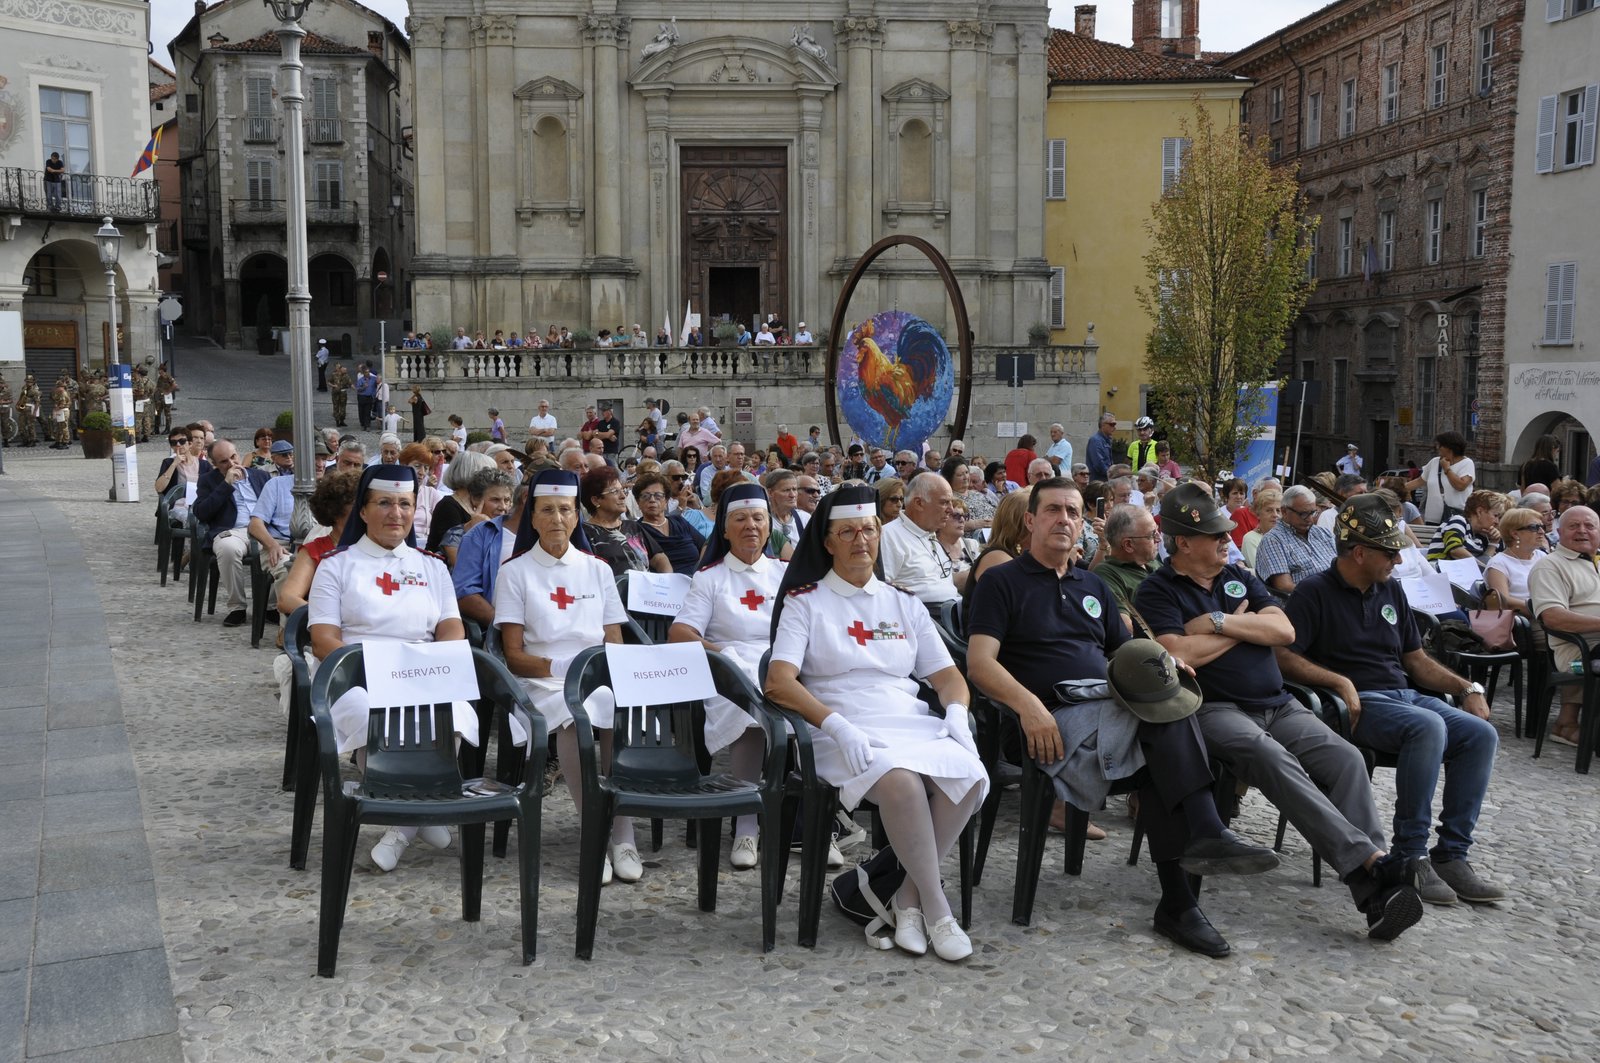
x: 1425, y: 734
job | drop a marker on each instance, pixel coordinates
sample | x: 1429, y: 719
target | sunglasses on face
x: 811, y: 490
x: 1533, y: 528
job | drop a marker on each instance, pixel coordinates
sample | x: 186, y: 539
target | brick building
x: 1399, y: 115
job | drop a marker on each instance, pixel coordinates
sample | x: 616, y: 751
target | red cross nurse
x: 378, y: 585
x: 552, y: 600
x: 844, y: 647
x: 729, y: 609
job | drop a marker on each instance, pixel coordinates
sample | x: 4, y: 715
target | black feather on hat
x: 811, y: 560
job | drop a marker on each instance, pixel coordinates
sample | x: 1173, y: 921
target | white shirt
x: 571, y: 599
x: 765, y: 337
x: 916, y: 560
x: 543, y: 425
x: 803, y: 336
x: 369, y: 592
x: 709, y: 423
x: 460, y: 436
x: 1439, y: 491
x: 1351, y: 464
x: 391, y: 423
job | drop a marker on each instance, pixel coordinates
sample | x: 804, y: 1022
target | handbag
x: 863, y: 894
x: 1494, y: 627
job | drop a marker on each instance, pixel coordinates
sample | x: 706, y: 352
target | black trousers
x: 364, y: 410
x: 1176, y: 765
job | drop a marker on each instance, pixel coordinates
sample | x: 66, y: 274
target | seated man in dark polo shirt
x: 1355, y: 634
x: 1226, y: 623
x: 1041, y: 620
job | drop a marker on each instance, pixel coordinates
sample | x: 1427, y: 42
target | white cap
x: 863, y: 509
x: 802, y: 324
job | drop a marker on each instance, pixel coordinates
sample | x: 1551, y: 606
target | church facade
x: 607, y: 162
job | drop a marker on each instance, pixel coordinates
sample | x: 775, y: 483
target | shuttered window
x: 258, y: 174
x: 1561, y: 286
x: 1055, y: 169
x: 329, y: 188
x: 1174, y: 152
x: 1566, y: 132
x: 1058, y: 297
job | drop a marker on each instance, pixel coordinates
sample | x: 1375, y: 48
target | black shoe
x: 1227, y: 855
x: 272, y: 616
x: 1192, y: 930
x: 234, y: 619
x: 1391, y: 912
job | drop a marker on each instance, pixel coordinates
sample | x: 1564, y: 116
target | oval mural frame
x: 958, y: 425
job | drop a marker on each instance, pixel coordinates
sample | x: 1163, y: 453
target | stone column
x: 859, y: 36
x: 1030, y: 273
x: 606, y: 34
x: 495, y: 38
x: 805, y: 297
x: 969, y: 43
x: 427, y: 57
x: 663, y: 296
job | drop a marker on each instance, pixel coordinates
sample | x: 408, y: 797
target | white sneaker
x: 949, y: 941
x: 910, y: 932
x: 835, y: 857
x: 386, y: 854
x: 438, y: 837
x: 743, y: 857
x: 626, y: 864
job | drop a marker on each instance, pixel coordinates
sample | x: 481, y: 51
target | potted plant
x: 477, y: 436
x: 96, y: 434
x: 725, y: 332
x: 1039, y: 334
x: 582, y: 338
x: 283, y: 427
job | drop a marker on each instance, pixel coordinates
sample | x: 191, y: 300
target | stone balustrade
x: 635, y: 365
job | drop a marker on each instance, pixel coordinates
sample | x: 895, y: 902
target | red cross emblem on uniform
x: 751, y: 600
x: 562, y: 598
x: 387, y: 584
x: 860, y: 632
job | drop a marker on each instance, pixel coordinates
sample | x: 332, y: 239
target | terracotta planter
x: 97, y: 443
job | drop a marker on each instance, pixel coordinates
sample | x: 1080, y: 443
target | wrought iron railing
x: 324, y: 131
x: 260, y: 129
x: 275, y: 212
x: 80, y: 195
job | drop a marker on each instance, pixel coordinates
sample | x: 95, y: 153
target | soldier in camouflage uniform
x: 165, y: 386
x: 60, y: 430
x: 28, y: 418
x: 8, y: 423
x: 339, y: 389
x: 142, y: 412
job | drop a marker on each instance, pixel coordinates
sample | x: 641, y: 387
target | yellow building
x: 1114, y: 125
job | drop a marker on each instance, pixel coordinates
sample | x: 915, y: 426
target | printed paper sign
x: 1429, y: 592
x: 419, y: 673
x: 190, y: 490
x: 661, y: 593
x: 1462, y: 571
x: 659, y: 675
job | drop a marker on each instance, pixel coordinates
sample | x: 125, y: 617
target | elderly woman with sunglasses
x: 669, y: 534
x: 1522, y: 539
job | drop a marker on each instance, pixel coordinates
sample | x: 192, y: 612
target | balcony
x: 260, y: 129
x: 274, y: 214
x: 167, y: 238
x: 324, y: 131
x: 82, y: 196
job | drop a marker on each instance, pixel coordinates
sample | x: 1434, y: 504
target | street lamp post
x: 290, y: 34
x: 110, y: 242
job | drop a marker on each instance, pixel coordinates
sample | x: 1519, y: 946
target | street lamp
x: 110, y: 242
x: 290, y: 34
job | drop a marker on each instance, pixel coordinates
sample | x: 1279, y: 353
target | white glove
x: 852, y: 742
x: 957, y: 726
x: 559, y: 666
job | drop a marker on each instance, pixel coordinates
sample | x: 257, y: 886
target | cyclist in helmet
x: 1142, y: 451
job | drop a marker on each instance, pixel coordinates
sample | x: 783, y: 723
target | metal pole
x: 290, y: 35
x: 1300, y: 419
x: 112, y: 356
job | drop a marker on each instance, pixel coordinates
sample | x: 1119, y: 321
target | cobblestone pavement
x: 1089, y: 978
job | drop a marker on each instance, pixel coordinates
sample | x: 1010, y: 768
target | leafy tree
x: 1226, y: 268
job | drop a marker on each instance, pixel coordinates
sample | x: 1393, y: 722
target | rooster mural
x: 895, y: 380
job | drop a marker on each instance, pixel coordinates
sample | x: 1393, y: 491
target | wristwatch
x: 1471, y: 689
x: 1216, y: 621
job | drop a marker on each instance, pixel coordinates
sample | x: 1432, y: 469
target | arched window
x: 550, y: 161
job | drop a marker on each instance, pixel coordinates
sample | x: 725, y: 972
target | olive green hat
x: 1367, y: 520
x: 1147, y: 682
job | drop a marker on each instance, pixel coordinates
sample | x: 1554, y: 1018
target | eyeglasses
x: 1154, y: 537
x: 865, y: 532
x: 1303, y: 514
x: 178, y: 440
x: 1533, y: 528
x: 616, y: 492
x: 1390, y: 556
x: 811, y: 490
x: 653, y: 496
x: 678, y: 476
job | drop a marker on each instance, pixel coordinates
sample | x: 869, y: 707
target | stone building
x: 164, y: 116
x: 1553, y: 292
x: 357, y: 84
x: 73, y: 80
x: 1114, y: 125
x: 599, y: 163
x: 1399, y: 115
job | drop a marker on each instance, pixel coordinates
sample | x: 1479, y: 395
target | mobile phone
x: 1100, y: 506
